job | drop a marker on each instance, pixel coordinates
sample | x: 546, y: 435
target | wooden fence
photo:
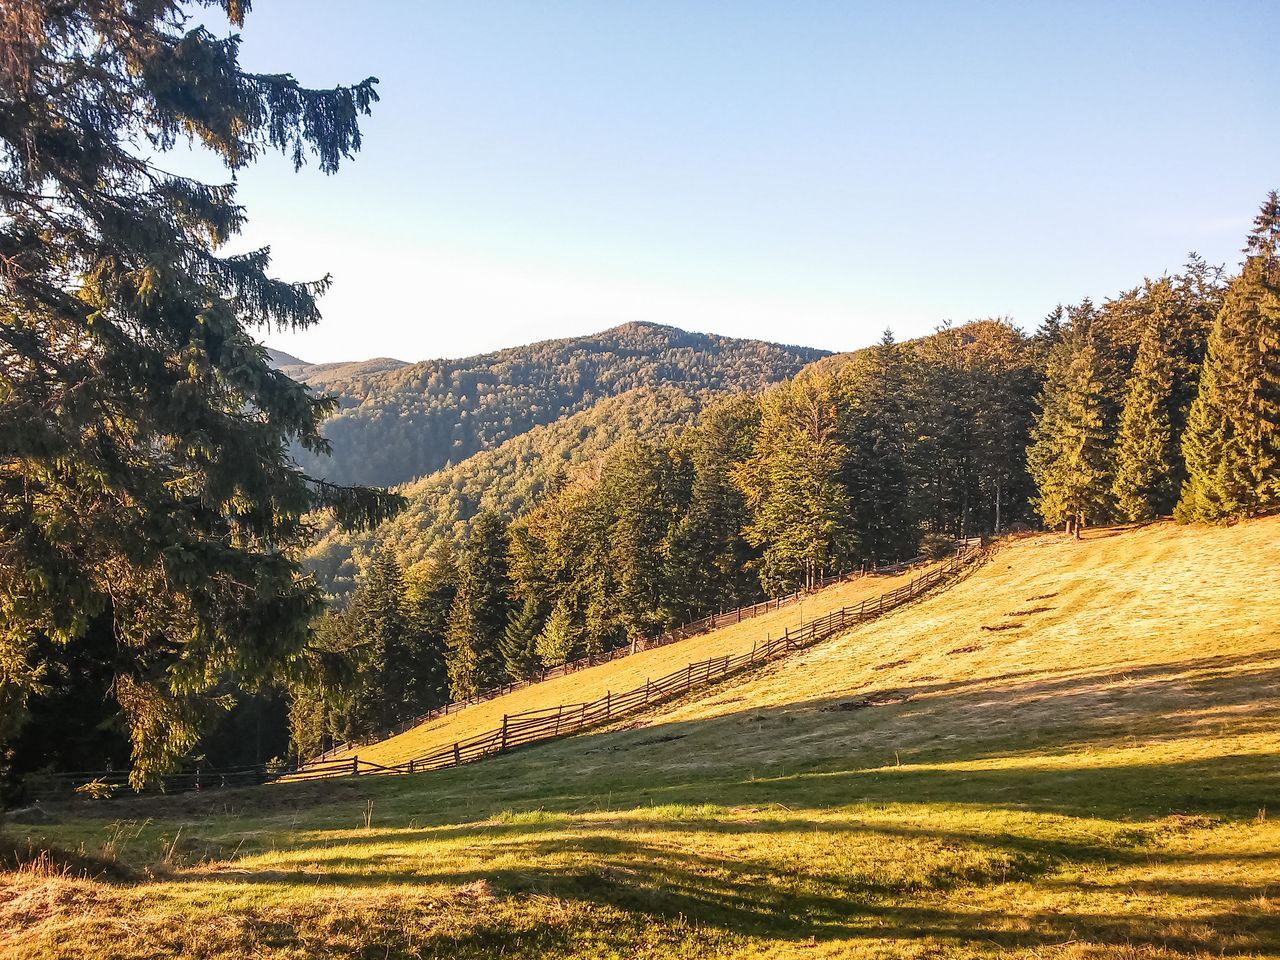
x: 535, y: 726
x: 683, y: 632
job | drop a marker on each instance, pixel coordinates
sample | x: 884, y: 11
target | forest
x: 1159, y: 400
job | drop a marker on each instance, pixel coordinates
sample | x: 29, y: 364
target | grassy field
x: 1070, y: 753
x: 619, y: 675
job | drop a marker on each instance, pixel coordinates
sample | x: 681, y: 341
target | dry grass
x: 1090, y: 784
x: 627, y: 673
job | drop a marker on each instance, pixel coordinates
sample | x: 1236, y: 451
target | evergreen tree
x: 481, y: 606
x: 379, y: 624
x: 882, y: 486
x: 430, y: 590
x: 145, y: 477
x: 711, y: 561
x: 518, y: 645
x: 466, y: 656
x: 1232, y: 442
x: 637, y: 491
x: 1145, y: 457
x: 797, y: 505
x: 1069, y: 455
x: 558, y: 642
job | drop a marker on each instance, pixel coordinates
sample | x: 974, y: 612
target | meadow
x: 1070, y: 752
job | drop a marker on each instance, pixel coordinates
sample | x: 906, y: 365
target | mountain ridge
x: 398, y: 422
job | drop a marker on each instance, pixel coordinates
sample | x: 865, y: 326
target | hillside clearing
x: 1090, y: 781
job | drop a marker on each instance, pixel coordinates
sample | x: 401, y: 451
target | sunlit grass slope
x: 626, y: 673
x: 1069, y: 754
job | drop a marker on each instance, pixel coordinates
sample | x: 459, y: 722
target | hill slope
x: 627, y: 673
x: 1083, y: 778
x: 402, y: 421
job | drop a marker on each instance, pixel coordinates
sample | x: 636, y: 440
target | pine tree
x: 430, y: 589
x: 1146, y: 460
x: 878, y: 473
x: 637, y: 491
x: 1232, y: 442
x: 144, y: 465
x: 711, y: 561
x: 518, y: 644
x: 466, y: 655
x: 381, y: 626
x: 1069, y: 455
x: 558, y: 642
x: 798, y: 506
x: 478, y: 616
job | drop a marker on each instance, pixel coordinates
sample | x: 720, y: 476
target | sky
x: 804, y: 172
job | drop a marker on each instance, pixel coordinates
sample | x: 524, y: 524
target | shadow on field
x: 874, y: 743
x: 613, y: 820
x: 786, y: 898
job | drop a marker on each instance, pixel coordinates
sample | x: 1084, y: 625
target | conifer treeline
x: 1167, y: 398
x: 854, y: 461
x: 1163, y: 399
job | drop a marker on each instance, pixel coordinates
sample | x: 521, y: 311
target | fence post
x: 355, y: 766
x: 646, y: 691
x: 608, y: 704
x: 411, y: 764
x: 504, y: 734
x: 457, y: 755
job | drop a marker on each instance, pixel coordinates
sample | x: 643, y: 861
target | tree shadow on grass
x: 757, y: 896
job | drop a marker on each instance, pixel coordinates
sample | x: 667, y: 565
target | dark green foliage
x: 1232, y: 442
x: 429, y: 594
x: 877, y: 473
x: 1146, y: 458
x: 711, y: 562
x: 480, y: 610
x: 398, y: 424
x: 385, y: 653
x: 518, y: 645
x: 798, y: 508
x: 1070, y: 457
x: 144, y: 475
x: 73, y: 723
x: 641, y: 494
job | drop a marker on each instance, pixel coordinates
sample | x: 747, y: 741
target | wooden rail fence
x: 535, y: 726
x: 685, y: 631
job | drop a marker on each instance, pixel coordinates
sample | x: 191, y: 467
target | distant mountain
x: 279, y: 359
x: 398, y: 421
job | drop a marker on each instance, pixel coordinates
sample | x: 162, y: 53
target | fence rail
x: 685, y: 631
x: 549, y: 723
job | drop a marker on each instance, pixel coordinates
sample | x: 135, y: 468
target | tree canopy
x: 147, y: 500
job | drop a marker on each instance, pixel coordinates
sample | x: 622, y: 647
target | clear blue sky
x: 808, y: 172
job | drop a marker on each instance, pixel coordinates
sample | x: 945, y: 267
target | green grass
x: 1091, y: 783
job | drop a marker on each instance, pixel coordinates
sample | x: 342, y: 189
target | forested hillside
x: 505, y: 480
x: 1158, y: 396
x: 398, y: 422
